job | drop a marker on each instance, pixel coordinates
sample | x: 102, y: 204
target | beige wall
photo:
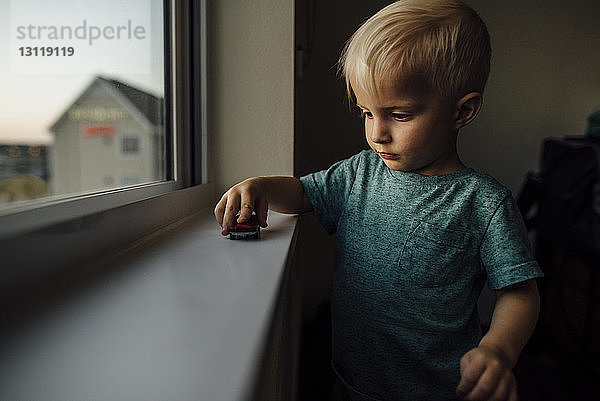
x: 250, y: 89
x: 545, y: 81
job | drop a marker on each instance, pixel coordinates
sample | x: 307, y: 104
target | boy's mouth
x: 388, y: 156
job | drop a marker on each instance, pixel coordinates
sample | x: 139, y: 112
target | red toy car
x: 247, y: 230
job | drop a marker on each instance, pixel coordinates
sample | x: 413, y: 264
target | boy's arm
x: 259, y: 194
x: 487, y: 370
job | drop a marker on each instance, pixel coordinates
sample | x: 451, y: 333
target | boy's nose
x: 379, y: 132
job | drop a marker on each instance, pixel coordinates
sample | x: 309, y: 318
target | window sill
x: 184, y: 315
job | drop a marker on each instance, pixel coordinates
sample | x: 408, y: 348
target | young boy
x: 418, y: 233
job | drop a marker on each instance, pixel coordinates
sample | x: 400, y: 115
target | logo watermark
x: 82, y: 36
x: 84, y: 32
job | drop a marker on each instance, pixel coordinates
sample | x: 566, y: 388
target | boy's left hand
x: 486, y: 376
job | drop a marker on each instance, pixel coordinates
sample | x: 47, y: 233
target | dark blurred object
x: 561, y: 204
x: 593, y: 127
x: 566, y: 193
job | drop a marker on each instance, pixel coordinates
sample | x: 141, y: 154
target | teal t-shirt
x: 412, y: 255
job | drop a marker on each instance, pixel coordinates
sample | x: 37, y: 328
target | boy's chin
x: 430, y: 169
x: 397, y: 165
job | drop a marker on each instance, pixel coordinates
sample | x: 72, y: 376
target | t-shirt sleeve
x: 506, y: 250
x: 329, y: 189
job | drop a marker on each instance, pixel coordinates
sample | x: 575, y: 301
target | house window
x: 130, y: 145
x: 74, y: 79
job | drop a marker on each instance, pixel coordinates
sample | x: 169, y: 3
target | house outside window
x: 84, y: 86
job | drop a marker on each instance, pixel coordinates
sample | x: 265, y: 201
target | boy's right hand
x: 246, y: 197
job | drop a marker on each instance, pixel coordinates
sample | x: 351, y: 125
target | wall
x: 327, y: 127
x: 544, y: 82
x: 250, y: 93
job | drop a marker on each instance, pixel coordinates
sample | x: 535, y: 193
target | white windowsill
x: 184, y: 316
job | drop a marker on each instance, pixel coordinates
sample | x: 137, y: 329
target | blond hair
x: 443, y: 41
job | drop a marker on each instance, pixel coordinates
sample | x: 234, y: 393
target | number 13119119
x: 46, y: 51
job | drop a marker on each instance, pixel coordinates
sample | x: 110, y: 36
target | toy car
x: 247, y: 230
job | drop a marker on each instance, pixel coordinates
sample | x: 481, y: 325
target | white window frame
x: 39, y: 222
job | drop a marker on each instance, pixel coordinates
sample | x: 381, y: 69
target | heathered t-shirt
x: 412, y: 255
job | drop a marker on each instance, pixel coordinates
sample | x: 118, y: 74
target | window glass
x: 82, y: 105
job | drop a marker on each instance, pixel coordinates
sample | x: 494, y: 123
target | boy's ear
x: 467, y: 109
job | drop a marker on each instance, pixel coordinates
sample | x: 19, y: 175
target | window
x: 97, y: 111
x: 77, y: 74
x: 130, y: 145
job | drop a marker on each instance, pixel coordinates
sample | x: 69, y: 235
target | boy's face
x: 411, y: 128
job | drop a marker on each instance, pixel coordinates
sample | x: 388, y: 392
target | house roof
x: 150, y: 106
x: 146, y: 103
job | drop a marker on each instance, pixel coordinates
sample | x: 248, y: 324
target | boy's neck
x: 449, y: 164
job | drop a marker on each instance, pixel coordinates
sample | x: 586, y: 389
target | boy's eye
x: 401, y: 116
x: 364, y: 113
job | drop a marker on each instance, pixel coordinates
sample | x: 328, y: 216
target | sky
x: 36, y: 91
